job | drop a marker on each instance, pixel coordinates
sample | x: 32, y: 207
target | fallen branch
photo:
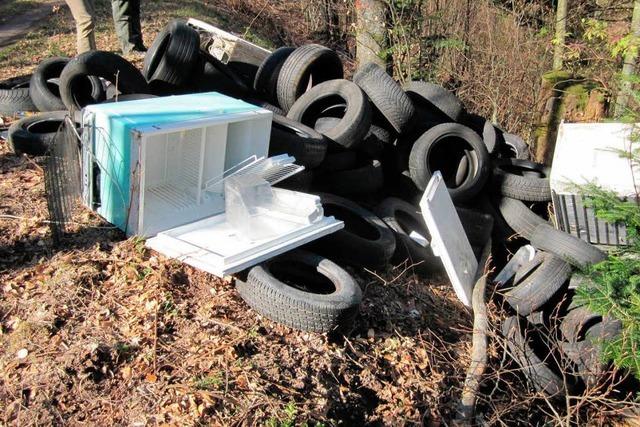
x: 466, y: 407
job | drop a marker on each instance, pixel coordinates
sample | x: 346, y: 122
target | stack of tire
x: 62, y: 85
x: 555, y: 341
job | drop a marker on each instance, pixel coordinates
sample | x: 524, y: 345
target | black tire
x: 155, y: 52
x: 45, y: 93
x: 441, y: 148
x: 264, y: 104
x: 340, y: 161
x: 174, y: 56
x: 373, y: 144
x: 510, y: 179
x: 386, y: 95
x: 364, y: 242
x: 107, y: 65
x: 364, y: 180
x: 404, y: 218
x: 217, y: 77
x: 353, y: 125
x: 464, y: 168
x: 34, y: 135
x: 131, y: 97
x: 477, y: 226
x: 325, y: 124
x: 576, y: 322
x: 378, y: 134
x: 302, y: 290
x: 533, y: 290
x: 266, y: 81
x: 301, y: 181
x: 575, y: 251
x: 491, y: 135
x: 293, y: 138
x: 527, y: 352
x: 519, y: 217
x: 586, y: 354
x: 310, y: 62
x: 14, y: 96
x: 436, y: 100
x: 245, y: 70
x: 527, y: 268
x: 515, y: 147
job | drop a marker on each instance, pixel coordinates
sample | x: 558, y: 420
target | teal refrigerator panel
x: 112, y: 127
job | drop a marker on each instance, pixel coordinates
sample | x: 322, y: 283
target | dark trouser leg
x: 126, y: 17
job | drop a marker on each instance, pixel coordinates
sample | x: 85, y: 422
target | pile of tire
x: 369, y: 146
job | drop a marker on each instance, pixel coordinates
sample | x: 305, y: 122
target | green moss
x: 579, y: 92
x: 255, y: 38
x: 555, y: 77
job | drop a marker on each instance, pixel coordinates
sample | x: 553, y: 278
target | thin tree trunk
x: 370, y: 32
x: 629, y: 63
x: 561, y: 34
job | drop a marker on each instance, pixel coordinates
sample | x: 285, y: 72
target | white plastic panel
x: 174, y: 168
x: 243, y: 141
x: 586, y: 152
x: 448, y: 239
x: 214, y: 246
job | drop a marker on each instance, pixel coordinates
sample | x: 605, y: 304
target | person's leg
x: 83, y: 14
x: 136, y: 29
x: 126, y: 17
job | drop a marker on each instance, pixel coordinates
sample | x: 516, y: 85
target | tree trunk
x: 371, y: 32
x: 567, y: 98
x: 629, y: 63
x: 561, y: 34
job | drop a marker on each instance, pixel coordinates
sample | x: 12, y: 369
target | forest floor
x: 101, y: 330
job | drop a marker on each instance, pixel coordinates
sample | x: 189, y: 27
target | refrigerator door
x: 448, y: 239
x: 214, y: 246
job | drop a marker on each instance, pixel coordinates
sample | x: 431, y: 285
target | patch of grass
x: 168, y: 306
x: 126, y: 351
x: 209, y: 382
x: 256, y: 38
x: 288, y: 420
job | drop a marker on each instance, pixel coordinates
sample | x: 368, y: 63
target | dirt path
x: 20, y: 25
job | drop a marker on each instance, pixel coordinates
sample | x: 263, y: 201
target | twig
x: 155, y: 340
x: 25, y: 157
x: 44, y: 221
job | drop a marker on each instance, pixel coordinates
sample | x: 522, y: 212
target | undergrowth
x: 614, y: 289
